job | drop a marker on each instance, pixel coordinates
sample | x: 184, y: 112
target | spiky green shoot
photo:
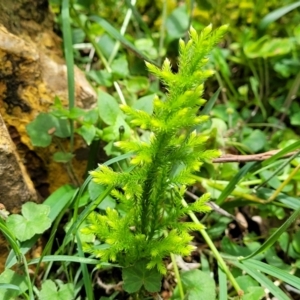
x: 147, y: 225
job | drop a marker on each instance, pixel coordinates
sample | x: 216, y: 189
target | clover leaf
x: 34, y: 220
x: 138, y: 275
x: 50, y: 291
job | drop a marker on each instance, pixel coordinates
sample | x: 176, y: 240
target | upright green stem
x: 177, y: 275
x: 68, y: 51
x: 216, y: 253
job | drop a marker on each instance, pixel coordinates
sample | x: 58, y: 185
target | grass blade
x: 116, y: 34
x: 86, y: 277
x: 276, y: 14
x: 288, y: 201
x: 79, y: 219
x: 275, y: 236
x: 273, y: 271
x: 11, y: 240
x: 234, y: 181
x: 64, y: 258
x: 210, y: 103
x: 8, y: 286
x: 261, y: 279
x: 290, y: 148
x: 222, y: 284
x: 68, y: 51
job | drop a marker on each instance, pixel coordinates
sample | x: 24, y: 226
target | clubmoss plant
x: 148, y: 227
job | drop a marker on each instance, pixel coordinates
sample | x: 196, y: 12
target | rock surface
x: 32, y: 73
x: 16, y: 187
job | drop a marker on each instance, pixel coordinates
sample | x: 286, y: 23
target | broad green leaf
x: 197, y: 285
x: 101, y: 77
x: 220, y: 225
x: 62, y: 128
x: 266, y: 47
x: 88, y: 132
x: 40, y: 130
x: 145, y: 104
x: 232, y: 248
x: 76, y: 113
x: 34, y: 220
x: 62, y: 157
x: 15, y: 280
x: 109, y: 135
x: 275, y: 236
x: 137, y: 84
x: 108, y: 108
x: 274, y: 260
x: 50, y: 291
x: 254, y: 293
x: 250, y: 287
x: 91, y: 116
x: 146, y: 46
x: 120, y: 67
x: 177, y: 23
x: 95, y: 191
x: 44, y: 126
x: 245, y: 282
x: 139, y: 276
x: 256, y: 141
x: 295, y: 118
x: 56, y: 201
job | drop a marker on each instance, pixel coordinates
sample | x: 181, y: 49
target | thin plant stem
x: 283, y: 184
x: 68, y: 51
x: 100, y: 55
x: 216, y: 253
x: 122, y: 31
x: 177, y: 275
x: 162, y: 31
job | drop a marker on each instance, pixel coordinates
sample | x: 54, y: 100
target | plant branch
x: 252, y: 157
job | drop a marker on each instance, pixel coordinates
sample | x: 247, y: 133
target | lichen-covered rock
x: 32, y: 73
x: 16, y: 187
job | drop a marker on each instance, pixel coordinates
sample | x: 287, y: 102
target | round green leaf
x: 138, y: 275
x: 39, y: 130
x: 34, y: 220
x: 108, y: 108
x: 197, y: 285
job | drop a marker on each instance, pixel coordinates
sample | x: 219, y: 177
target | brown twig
x: 252, y: 157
